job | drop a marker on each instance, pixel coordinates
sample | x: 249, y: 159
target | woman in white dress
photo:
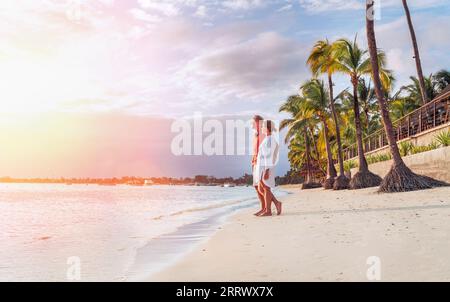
x: 265, y: 169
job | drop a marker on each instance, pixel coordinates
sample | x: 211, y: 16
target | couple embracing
x: 265, y: 158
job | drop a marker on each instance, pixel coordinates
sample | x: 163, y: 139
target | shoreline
x: 166, y: 250
x: 327, y: 236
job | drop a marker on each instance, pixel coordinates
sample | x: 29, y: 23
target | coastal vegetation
x: 321, y: 125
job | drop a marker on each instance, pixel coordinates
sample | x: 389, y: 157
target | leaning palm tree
x: 322, y: 61
x: 353, y: 61
x: 298, y: 126
x: 400, y: 178
x: 316, y: 100
x: 424, y: 95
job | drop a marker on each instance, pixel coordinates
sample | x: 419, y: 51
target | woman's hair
x: 270, y: 126
x: 257, y: 118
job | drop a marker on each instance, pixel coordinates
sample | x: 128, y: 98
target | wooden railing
x: 429, y: 116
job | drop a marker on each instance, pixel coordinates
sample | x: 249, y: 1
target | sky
x: 90, y: 88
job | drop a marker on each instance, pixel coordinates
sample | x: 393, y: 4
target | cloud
x: 197, y: 8
x: 142, y: 15
x: 201, y: 11
x: 317, y: 6
x: 243, y: 4
x: 166, y: 8
x: 414, y: 3
x: 285, y: 7
x: 321, y: 6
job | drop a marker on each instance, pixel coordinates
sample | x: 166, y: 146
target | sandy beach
x: 329, y: 236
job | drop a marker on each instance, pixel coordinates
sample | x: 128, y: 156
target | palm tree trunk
x: 314, y: 144
x: 400, y: 178
x: 336, y: 123
x: 366, y: 115
x: 341, y: 182
x: 363, y: 167
x: 364, y: 178
x: 331, y: 170
x: 308, y: 158
x: 398, y: 161
x: 309, y: 183
x: 416, y: 54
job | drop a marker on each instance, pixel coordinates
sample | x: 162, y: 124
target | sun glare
x: 36, y: 85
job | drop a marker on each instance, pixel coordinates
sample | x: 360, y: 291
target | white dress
x: 266, y: 160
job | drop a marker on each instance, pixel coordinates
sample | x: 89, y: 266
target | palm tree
x: 298, y: 153
x: 442, y: 79
x: 400, y: 178
x: 368, y: 103
x: 308, y: 158
x: 353, y: 61
x: 347, y: 119
x: 316, y: 99
x: 322, y: 60
x: 299, y: 128
x: 400, y: 106
x: 424, y: 95
x: 370, y: 119
x: 414, y: 89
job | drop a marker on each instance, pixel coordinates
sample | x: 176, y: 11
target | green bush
x: 421, y: 149
x: 405, y: 148
x: 349, y: 164
x: 434, y: 145
x: 372, y: 159
x: 443, y: 139
x: 384, y: 157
